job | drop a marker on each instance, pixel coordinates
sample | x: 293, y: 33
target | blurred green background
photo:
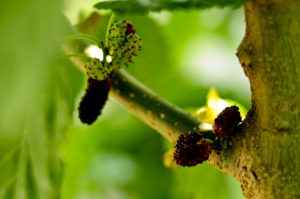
x: 45, y: 152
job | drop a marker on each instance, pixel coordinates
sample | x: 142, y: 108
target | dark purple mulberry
x: 94, y: 99
x: 191, y: 150
x: 227, y: 122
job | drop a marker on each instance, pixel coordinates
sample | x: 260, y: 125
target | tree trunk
x: 265, y: 155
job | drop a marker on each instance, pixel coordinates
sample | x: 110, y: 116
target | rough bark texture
x: 265, y: 155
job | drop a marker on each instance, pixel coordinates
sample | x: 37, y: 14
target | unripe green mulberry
x: 124, y: 43
x: 126, y: 53
x: 117, y: 34
x: 97, y: 70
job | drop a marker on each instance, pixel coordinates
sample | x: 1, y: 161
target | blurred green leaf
x: 9, y: 163
x: 38, y: 90
x: 31, y: 187
x: 36, y: 167
x: 9, y: 191
x: 134, y: 6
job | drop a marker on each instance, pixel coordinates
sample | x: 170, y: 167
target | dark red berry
x: 191, y: 150
x: 129, y: 28
x: 94, y: 99
x: 227, y: 122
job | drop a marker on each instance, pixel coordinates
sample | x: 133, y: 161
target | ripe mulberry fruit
x: 94, y: 99
x: 227, y: 122
x: 191, y: 150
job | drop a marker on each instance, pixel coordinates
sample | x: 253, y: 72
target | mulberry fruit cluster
x: 227, y: 122
x: 94, y: 99
x: 191, y: 149
x: 123, y: 45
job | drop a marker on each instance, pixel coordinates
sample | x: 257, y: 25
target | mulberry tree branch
x: 164, y: 117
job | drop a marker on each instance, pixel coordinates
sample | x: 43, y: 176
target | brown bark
x: 265, y: 155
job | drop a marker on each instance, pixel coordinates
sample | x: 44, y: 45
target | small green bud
x: 124, y: 44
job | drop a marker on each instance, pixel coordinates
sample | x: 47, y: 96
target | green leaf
x: 38, y: 90
x: 33, y: 168
x: 9, y: 163
x: 31, y: 187
x: 133, y: 6
x: 9, y: 190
